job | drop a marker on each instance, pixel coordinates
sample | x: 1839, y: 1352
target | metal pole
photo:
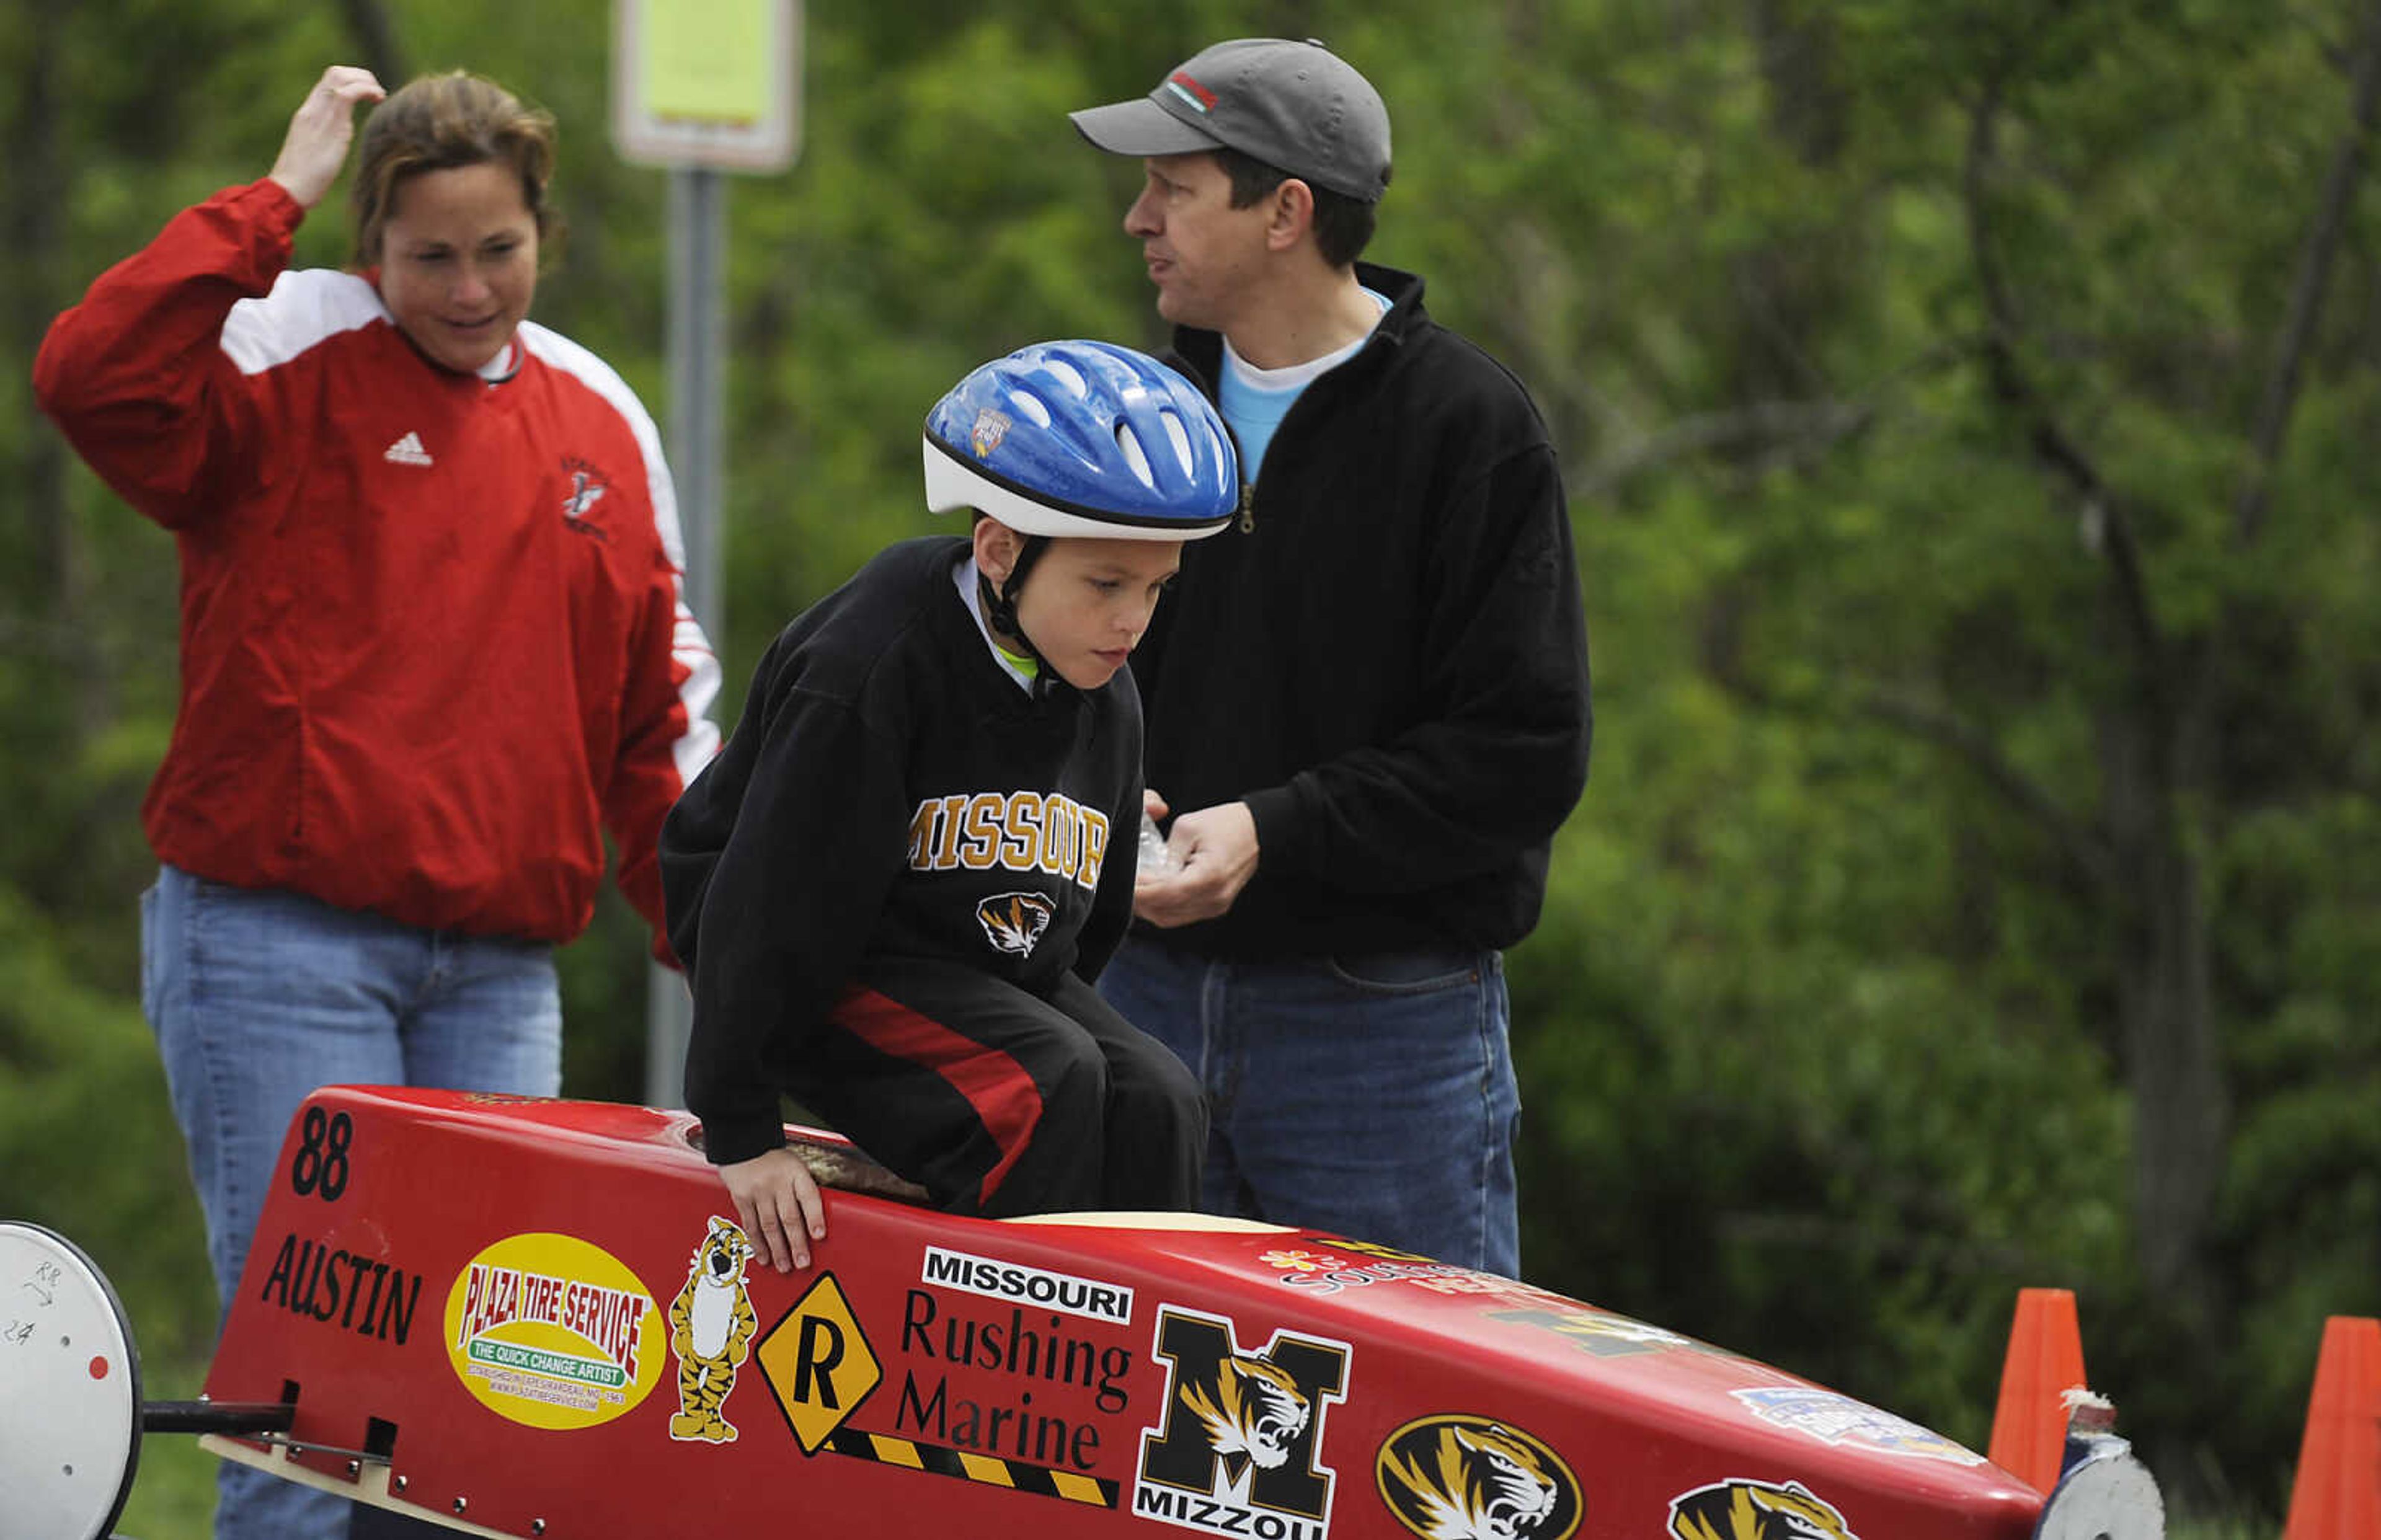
x: 696, y: 325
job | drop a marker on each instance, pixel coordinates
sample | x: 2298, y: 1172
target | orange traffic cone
x: 2045, y: 1360
x: 2337, y: 1495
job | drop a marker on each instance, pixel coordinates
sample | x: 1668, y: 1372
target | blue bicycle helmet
x: 1083, y: 439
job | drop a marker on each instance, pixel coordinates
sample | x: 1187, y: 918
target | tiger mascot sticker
x: 1453, y: 1477
x: 1755, y: 1510
x: 711, y: 1329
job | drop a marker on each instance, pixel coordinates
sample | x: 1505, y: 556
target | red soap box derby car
x: 531, y: 1318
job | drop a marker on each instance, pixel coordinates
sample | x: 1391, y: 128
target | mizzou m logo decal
x: 1237, y: 1453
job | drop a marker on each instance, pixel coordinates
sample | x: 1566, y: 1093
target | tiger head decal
x: 1252, y: 1409
x: 1755, y: 1510
x: 1471, y: 1478
x: 1013, y: 922
x: 720, y: 1259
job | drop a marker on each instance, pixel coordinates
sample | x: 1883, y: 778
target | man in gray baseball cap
x: 1295, y: 105
x: 1368, y: 700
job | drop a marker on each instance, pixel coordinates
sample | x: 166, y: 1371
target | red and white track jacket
x: 433, y: 638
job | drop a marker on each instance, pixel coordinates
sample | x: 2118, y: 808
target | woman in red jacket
x: 433, y: 642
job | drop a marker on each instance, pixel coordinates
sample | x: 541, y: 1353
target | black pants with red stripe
x: 999, y: 1102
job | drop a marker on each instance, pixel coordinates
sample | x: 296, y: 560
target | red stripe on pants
x: 1005, y: 1098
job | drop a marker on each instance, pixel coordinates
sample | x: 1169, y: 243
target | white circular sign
x: 69, y: 1389
x: 2108, y: 1496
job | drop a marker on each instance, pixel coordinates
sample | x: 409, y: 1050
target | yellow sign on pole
x: 710, y: 64
x: 707, y: 83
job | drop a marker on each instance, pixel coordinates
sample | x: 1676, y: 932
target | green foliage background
x: 1968, y: 408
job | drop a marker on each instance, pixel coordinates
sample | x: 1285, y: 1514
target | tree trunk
x: 368, y: 23
x: 32, y: 225
x: 2172, y: 1059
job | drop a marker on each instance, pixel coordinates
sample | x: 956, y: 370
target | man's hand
x: 321, y: 130
x: 778, y: 1205
x: 1216, y: 849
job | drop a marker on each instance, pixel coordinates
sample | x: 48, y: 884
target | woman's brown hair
x: 436, y: 123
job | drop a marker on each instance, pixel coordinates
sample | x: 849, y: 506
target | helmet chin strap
x: 1000, y: 608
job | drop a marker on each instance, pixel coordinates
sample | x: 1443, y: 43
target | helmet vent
x: 1179, y: 437
x: 1029, y: 406
x: 1135, y: 456
x: 1069, y: 376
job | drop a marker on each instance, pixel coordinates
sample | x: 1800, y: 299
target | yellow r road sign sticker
x: 818, y: 1362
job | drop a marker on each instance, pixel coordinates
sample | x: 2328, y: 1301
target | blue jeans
x: 259, y: 998
x: 1369, y: 1096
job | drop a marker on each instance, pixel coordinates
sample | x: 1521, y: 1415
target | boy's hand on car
x: 778, y: 1205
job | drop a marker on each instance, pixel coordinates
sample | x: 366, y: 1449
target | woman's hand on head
x: 321, y: 130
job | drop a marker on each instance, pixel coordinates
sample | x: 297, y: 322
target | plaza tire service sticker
x: 551, y: 1332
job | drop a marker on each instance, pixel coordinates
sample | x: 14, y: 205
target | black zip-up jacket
x: 1386, y: 660
x: 889, y: 793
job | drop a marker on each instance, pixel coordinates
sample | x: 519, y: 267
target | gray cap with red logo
x: 1294, y: 106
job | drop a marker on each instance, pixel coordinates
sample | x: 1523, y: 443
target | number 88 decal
x: 322, y: 1163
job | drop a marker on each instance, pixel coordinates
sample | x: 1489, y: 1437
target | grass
x: 173, y: 1493
x: 2221, y: 1527
x: 174, y: 1488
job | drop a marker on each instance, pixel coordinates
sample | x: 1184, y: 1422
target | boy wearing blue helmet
x: 893, y: 887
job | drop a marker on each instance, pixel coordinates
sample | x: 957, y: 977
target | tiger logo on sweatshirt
x: 1013, y: 922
